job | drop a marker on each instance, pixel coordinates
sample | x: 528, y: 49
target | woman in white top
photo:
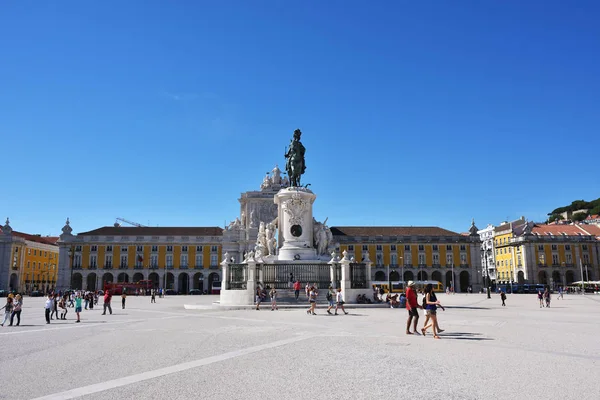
x: 312, y: 299
x: 273, y: 294
x: 339, y: 298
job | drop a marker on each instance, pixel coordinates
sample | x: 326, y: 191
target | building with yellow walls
x: 415, y: 253
x: 548, y: 254
x: 178, y: 258
x: 27, y: 262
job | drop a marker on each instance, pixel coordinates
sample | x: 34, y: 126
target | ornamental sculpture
x: 294, y: 155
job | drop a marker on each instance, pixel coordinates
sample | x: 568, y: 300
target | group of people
x: 335, y: 299
x: 12, y: 309
x: 544, y: 297
x: 429, y: 303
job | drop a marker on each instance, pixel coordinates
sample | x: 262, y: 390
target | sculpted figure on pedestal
x: 294, y: 155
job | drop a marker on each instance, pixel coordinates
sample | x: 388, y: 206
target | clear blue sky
x: 412, y: 112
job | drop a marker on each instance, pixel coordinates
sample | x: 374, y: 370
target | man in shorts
x: 412, y: 305
x: 78, y: 306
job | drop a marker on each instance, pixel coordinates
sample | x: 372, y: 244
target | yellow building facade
x: 30, y: 261
x: 177, y: 258
x: 414, y: 253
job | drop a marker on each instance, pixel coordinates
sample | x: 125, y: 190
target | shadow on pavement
x: 463, y: 336
x: 468, y: 307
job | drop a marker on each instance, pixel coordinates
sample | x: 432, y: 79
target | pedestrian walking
x: 307, y: 290
x: 503, y: 297
x: 291, y: 281
x: 273, y: 295
x: 107, y: 300
x: 258, y: 297
x: 428, y: 316
x: 331, y: 296
x: 297, y: 287
x: 56, y: 299
x: 541, y: 298
x: 123, y: 297
x: 432, y: 303
x: 412, y: 306
x: 18, y: 305
x: 339, y: 302
x: 153, y: 296
x: 560, y: 293
x: 62, y: 304
x: 49, y: 307
x: 547, y: 297
x: 8, y: 309
x: 312, y: 300
x: 86, y: 296
x: 78, y: 306
x: 71, y: 298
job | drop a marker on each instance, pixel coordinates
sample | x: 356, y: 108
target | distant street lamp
x: 71, y: 255
x: 485, y: 253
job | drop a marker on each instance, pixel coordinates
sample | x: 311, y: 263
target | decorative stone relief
x: 295, y: 207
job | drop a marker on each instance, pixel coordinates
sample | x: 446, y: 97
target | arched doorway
x: 77, y: 281
x: 436, y: 276
x: 123, y: 277
x: 449, y: 282
x: 107, y: 278
x: 154, y: 278
x: 138, y: 276
x: 556, y: 279
x: 422, y: 276
x: 379, y: 276
x: 521, y: 277
x: 587, y: 275
x: 542, y: 278
x: 14, y: 282
x: 91, y: 281
x: 184, y: 283
x: 409, y: 276
x: 212, y: 277
x: 199, y: 281
x: 465, y: 281
x: 569, y: 277
x: 394, y: 276
x: 170, y: 280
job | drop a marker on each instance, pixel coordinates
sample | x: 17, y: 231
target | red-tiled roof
x: 35, y: 238
x: 591, y: 229
x: 155, y: 231
x: 589, y: 217
x: 391, y: 231
x: 558, y: 230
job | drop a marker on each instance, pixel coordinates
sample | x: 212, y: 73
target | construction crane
x: 131, y: 223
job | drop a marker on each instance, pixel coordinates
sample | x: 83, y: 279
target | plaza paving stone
x: 165, y: 351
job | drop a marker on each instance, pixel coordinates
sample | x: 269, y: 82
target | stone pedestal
x: 294, y: 210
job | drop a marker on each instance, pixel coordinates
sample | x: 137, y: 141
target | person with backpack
x: 258, y: 297
x: 503, y: 297
x: 541, y: 298
x: 330, y: 298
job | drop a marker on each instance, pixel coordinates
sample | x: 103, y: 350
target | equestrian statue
x: 294, y: 164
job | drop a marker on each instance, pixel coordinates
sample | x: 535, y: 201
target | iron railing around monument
x: 337, y: 276
x: 278, y: 275
x: 237, y: 277
x: 358, y: 275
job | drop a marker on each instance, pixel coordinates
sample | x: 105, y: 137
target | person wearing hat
x: 412, y: 306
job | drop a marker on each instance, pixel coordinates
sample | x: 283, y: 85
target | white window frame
x: 436, y: 259
x: 154, y: 260
x: 449, y: 259
x: 394, y: 259
x: 214, y: 260
x: 93, y: 260
x: 124, y: 257
x: 169, y: 260
x: 201, y: 258
x: 108, y: 260
x: 422, y: 259
x: 183, y: 260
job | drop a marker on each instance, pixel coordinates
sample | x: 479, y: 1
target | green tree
x: 580, y: 216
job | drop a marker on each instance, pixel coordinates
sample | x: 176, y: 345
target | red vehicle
x: 128, y: 287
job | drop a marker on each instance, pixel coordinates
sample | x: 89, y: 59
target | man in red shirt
x: 412, y: 306
x: 297, y: 287
x: 107, y: 299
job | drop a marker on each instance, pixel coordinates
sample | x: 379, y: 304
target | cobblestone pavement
x: 164, y: 351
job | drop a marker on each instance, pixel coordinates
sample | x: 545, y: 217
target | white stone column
x: 295, y: 219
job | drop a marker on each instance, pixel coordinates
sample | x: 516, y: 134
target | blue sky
x: 413, y: 113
